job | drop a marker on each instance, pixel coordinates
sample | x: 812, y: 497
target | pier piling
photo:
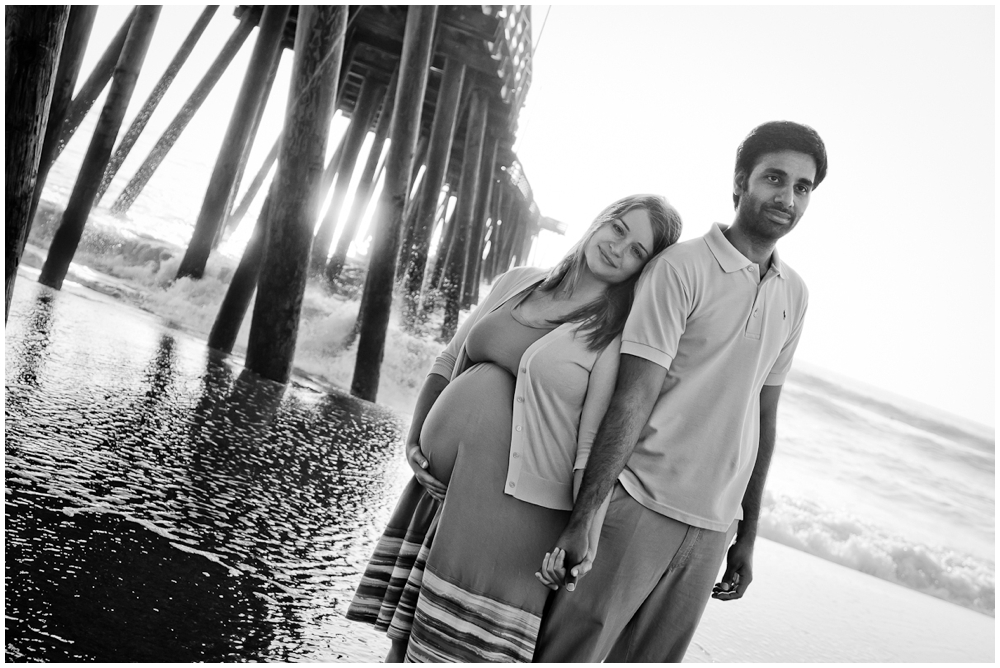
x: 34, y: 38
x: 366, y: 184
x: 81, y: 201
x: 376, y: 301
x: 169, y: 137
x: 159, y: 90
x: 357, y: 130
x: 446, y: 245
x: 74, y: 45
x: 240, y: 210
x: 438, y: 153
x: 496, y: 231
x: 465, y: 211
x: 412, y: 205
x: 477, y: 236
x: 223, y: 229
x: 242, y: 286
x: 449, y: 80
x: 266, y: 50
x: 92, y: 87
x: 319, y: 48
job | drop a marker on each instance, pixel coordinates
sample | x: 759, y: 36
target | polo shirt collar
x: 728, y: 257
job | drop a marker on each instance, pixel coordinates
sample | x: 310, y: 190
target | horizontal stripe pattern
x: 452, y: 624
x: 388, y: 590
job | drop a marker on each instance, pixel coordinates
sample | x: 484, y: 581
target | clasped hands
x: 573, y: 550
x: 415, y: 458
x: 552, y: 574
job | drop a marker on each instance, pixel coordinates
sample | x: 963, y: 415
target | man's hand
x: 739, y: 571
x: 571, y: 548
x: 415, y: 458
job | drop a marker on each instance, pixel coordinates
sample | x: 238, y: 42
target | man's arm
x: 638, y: 385
x: 739, y: 559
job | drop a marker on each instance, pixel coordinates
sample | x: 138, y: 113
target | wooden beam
x: 92, y: 87
x: 81, y: 201
x: 184, y: 116
x: 474, y: 261
x: 159, y: 90
x: 464, y: 213
x: 439, y: 149
x: 354, y: 138
x: 78, y: 29
x: 377, y: 296
x: 366, y: 185
x: 34, y: 38
x: 319, y: 48
x: 251, y: 96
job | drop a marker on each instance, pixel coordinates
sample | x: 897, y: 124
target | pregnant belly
x: 475, y: 410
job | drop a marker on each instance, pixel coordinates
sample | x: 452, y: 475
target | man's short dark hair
x: 780, y: 136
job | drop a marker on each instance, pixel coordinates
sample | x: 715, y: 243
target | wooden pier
x: 442, y: 84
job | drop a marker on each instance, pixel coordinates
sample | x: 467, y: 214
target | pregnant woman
x: 506, y: 415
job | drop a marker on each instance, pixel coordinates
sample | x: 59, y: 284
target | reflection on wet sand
x: 174, y: 507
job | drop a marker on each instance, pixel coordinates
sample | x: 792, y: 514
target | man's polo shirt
x: 722, y: 333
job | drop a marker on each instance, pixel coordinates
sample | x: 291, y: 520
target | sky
x: 897, y: 247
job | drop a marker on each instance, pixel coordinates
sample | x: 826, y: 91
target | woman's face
x: 621, y: 247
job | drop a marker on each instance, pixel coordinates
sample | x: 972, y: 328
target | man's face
x: 775, y: 194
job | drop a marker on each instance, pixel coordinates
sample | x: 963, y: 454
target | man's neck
x: 753, y: 249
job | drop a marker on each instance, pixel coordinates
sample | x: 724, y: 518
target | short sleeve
x: 659, y: 314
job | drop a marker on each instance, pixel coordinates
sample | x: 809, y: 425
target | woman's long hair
x: 604, y: 318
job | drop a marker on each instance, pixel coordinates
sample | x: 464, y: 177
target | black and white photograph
x: 570, y: 333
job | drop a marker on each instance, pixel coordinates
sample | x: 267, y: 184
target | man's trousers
x: 644, y: 596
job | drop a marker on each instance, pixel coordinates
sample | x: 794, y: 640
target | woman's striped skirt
x: 388, y: 591
x: 479, y: 598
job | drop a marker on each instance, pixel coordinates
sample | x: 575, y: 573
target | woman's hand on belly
x: 415, y: 458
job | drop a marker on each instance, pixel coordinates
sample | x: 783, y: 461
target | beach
x: 121, y: 425
x: 803, y: 609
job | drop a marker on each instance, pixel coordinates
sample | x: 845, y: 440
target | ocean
x: 861, y: 478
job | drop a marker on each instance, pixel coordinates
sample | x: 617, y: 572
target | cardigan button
x: 510, y: 484
x: 515, y: 455
x: 517, y: 428
x: 520, y: 400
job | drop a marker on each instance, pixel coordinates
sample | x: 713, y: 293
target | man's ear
x: 739, y: 183
x: 739, y: 186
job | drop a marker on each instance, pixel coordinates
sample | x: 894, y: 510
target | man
x: 690, y: 430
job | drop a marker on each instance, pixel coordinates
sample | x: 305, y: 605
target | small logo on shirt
x: 782, y: 314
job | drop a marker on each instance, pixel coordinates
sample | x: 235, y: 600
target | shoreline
x: 852, y: 617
